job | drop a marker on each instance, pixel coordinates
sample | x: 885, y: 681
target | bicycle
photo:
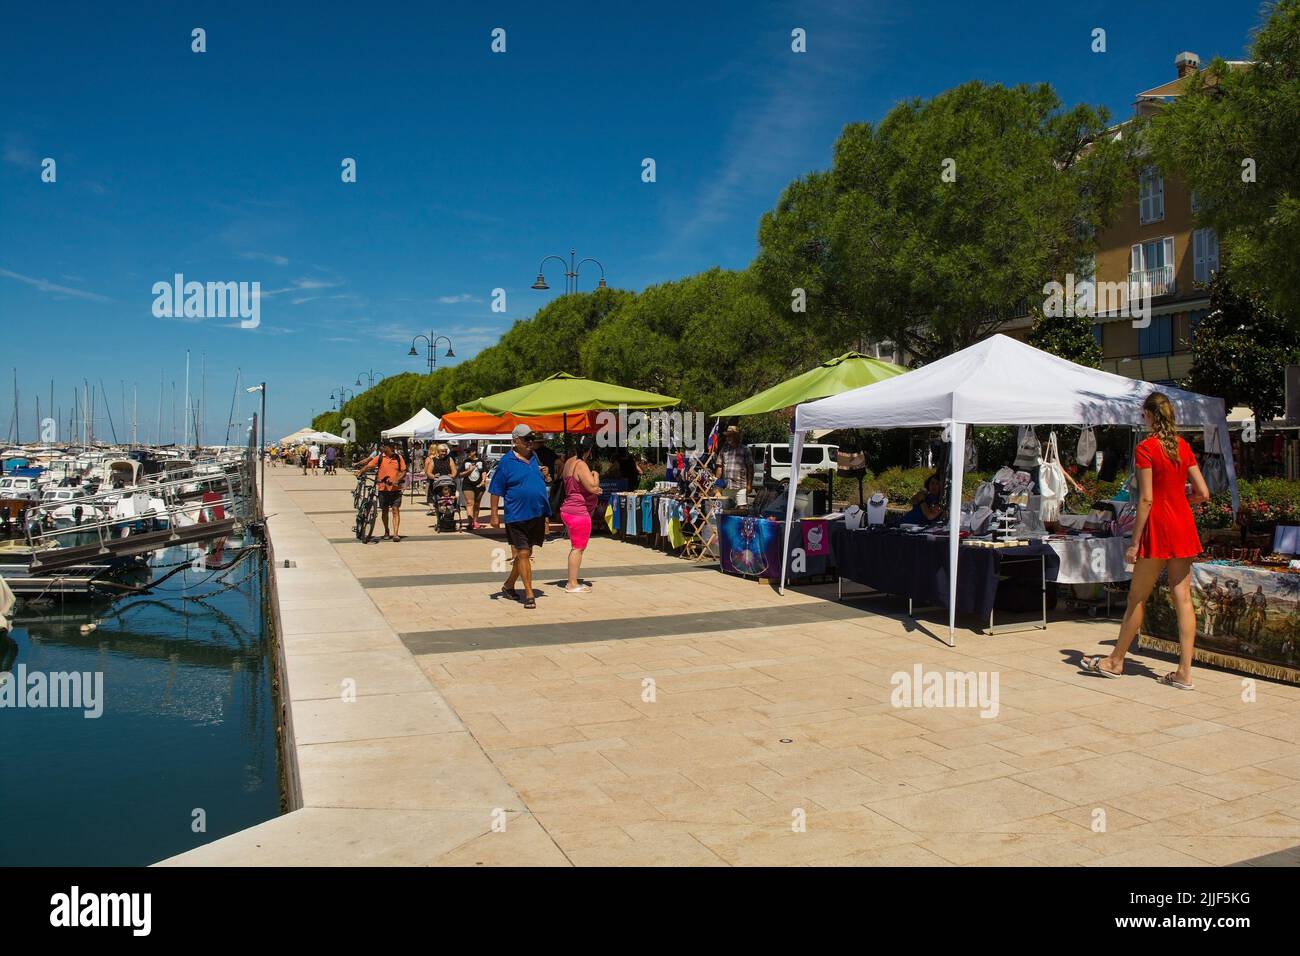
x: 366, y: 496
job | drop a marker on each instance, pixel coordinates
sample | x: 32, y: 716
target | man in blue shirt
x: 521, y: 480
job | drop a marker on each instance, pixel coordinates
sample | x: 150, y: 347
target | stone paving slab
x: 679, y: 716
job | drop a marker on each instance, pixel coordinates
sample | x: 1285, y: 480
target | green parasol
x: 563, y: 392
x: 841, y: 374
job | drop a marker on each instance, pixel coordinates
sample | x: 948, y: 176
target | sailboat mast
x: 185, y: 425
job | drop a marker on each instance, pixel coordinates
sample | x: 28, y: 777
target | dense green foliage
x: 933, y: 225
x: 1241, y: 348
x: 1232, y: 138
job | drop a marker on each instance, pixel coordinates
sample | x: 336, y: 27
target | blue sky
x: 471, y: 166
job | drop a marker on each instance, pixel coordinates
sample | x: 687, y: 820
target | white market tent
x: 423, y: 419
x: 298, y: 437
x: 424, y: 425
x: 999, y: 381
x: 326, y: 438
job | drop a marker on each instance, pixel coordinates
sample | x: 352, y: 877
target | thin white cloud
x: 45, y: 285
x: 453, y: 299
x: 265, y: 257
x: 775, y: 137
x: 299, y: 285
x: 16, y: 154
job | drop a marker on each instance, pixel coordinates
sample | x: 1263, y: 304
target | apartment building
x: 1155, y: 248
x: 1155, y: 244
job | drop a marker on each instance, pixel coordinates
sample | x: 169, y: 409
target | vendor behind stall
x: 927, y: 504
x: 735, y: 463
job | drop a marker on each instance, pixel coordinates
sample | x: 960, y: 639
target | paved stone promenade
x: 770, y: 739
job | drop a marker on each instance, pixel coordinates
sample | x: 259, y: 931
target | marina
x: 136, y: 653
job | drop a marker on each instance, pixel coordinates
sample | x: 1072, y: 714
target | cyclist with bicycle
x: 390, y: 470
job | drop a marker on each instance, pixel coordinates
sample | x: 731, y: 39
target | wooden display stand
x: 700, y: 535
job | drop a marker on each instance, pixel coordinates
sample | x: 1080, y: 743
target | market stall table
x: 915, y: 566
x: 1090, y: 560
x: 751, y: 546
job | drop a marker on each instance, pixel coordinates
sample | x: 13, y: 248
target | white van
x: 772, y: 462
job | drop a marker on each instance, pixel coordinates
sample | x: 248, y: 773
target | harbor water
x: 185, y: 749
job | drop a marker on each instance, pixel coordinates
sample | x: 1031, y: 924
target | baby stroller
x: 446, y: 503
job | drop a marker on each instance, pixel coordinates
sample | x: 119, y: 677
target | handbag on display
x: 1028, y: 448
x: 1051, y: 481
x: 972, y: 456
x: 980, y: 519
x: 984, y: 495
x: 1213, y: 468
x: 1087, y: 449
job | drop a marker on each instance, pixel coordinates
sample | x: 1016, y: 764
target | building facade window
x: 1196, y: 204
x: 1157, y: 339
x: 1152, y: 265
x: 1151, y: 196
x: 1097, y: 334
x: 1205, y: 255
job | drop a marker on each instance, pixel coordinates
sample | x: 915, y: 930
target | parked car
x: 494, y: 451
x: 772, y: 461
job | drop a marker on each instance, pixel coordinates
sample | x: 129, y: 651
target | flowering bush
x: 1214, y: 514
x: 1264, y: 503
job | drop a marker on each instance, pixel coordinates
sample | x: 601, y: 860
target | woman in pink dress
x: 1164, y: 539
x: 581, y: 492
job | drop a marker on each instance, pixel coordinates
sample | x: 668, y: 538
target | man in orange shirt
x: 391, y: 470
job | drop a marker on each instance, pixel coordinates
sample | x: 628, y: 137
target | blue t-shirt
x: 520, y: 484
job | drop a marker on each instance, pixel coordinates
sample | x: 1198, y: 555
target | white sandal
x: 580, y: 589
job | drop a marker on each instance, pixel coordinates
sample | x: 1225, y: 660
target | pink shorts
x: 579, y: 528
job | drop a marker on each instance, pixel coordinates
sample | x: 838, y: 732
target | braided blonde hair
x: 1162, y: 423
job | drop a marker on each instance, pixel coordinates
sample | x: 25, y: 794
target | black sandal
x: 530, y: 602
x: 510, y: 593
x: 1092, y: 665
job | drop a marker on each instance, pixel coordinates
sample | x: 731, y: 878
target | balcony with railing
x: 1149, y: 283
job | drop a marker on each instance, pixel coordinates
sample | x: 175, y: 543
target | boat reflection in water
x: 185, y: 750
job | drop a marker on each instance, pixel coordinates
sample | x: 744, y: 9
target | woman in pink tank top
x: 581, y: 491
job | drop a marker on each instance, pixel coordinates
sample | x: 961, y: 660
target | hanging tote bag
x: 1051, y: 481
x: 972, y: 455
x: 1087, y: 449
x: 1213, y: 469
x: 1028, y: 448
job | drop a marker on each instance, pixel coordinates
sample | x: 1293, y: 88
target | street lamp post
x: 261, y: 449
x: 370, y: 376
x: 432, y: 343
x: 572, y: 268
x: 341, y: 390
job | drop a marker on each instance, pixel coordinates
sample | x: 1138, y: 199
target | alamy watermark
x: 657, y: 429
x: 922, y: 688
x: 75, y: 690
x: 179, y: 299
x: 1088, y: 297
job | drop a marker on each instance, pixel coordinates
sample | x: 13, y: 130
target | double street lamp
x: 370, y: 376
x: 432, y: 343
x: 340, y: 399
x: 572, y: 268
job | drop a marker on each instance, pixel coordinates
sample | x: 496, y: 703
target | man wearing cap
x: 735, y: 464
x: 521, y: 480
x: 390, y: 470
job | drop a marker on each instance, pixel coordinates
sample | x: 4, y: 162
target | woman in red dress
x: 1164, y: 536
